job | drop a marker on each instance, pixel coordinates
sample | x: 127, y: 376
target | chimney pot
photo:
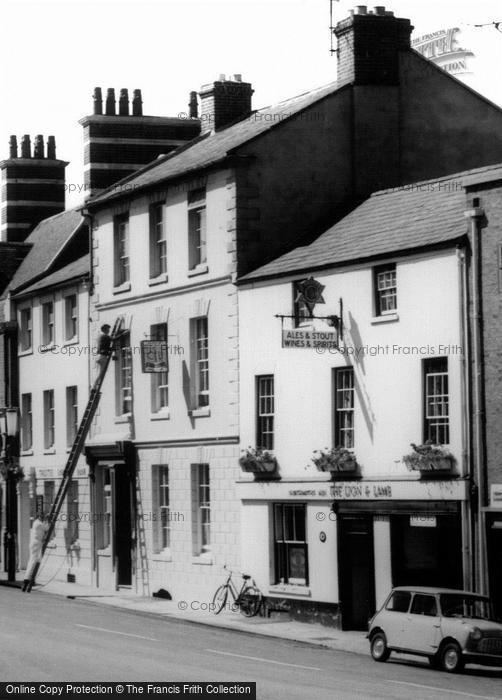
x: 379, y: 10
x: 51, y: 148
x: 124, y: 103
x: 38, y: 150
x: 193, y: 108
x: 389, y: 13
x: 26, y: 146
x: 361, y: 10
x: 137, y: 104
x: 13, y: 147
x: 222, y: 77
x: 238, y: 78
x: 98, y: 101
x: 110, y: 102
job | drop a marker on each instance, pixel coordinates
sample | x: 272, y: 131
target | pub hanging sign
x: 154, y: 356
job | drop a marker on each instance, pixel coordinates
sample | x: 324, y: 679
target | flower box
x: 429, y: 458
x: 335, y: 460
x: 259, y: 462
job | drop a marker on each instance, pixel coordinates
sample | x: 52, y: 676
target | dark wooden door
x: 123, y: 526
x: 356, y: 570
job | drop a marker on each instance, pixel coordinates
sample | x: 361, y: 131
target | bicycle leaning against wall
x: 249, y: 598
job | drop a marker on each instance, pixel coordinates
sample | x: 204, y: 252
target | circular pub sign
x: 322, y: 536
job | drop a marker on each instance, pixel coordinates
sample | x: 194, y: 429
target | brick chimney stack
x: 369, y: 43
x: 116, y: 144
x: 33, y: 187
x: 224, y: 102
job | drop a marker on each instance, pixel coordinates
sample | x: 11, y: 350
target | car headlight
x: 476, y: 634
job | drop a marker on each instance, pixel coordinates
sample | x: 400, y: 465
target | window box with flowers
x: 335, y: 460
x: 429, y: 458
x: 259, y: 462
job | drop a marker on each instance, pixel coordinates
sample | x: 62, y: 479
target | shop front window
x: 291, y: 552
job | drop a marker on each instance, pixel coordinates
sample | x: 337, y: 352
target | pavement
x: 278, y: 625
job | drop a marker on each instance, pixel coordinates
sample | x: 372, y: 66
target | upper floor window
x: 385, y: 289
x: 26, y: 422
x: 158, y: 242
x: 265, y: 412
x: 49, y: 420
x: 48, y: 323
x: 71, y: 532
x: 123, y: 375
x: 160, y: 380
x: 200, y: 361
x: 344, y: 407
x: 436, y: 401
x: 25, y: 328
x: 70, y: 317
x: 197, y: 254
x: 301, y: 311
x: 121, y: 250
x: 71, y: 414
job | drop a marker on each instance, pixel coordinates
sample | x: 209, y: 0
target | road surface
x: 50, y: 638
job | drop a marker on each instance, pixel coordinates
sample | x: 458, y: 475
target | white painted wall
x: 388, y: 402
x: 64, y: 364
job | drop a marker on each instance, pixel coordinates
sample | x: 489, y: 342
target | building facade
x: 48, y: 302
x: 339, y: 399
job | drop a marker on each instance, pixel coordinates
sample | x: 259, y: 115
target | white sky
x: 53, y: 54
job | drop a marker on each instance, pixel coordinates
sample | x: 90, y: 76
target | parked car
x: 448, y: 626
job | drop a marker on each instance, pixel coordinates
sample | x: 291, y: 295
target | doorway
x: 123, y: 526
x: 356, y: 570
x: 114, y: 519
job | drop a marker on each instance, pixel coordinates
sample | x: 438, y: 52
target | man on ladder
x: 106, y: 349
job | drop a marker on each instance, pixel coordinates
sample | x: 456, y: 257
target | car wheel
x: 378, y: 647
x: 450, y: 658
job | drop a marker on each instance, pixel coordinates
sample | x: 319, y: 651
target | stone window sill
x: 165, y: 555
x: 386, y: 318
x: 27, y: 453
x: 121, y: 288
x: 22, y: 353
x: 50, y: 451
x: 71, y: 341
x: 46, y: 348
x: 160, y: 279
x: 161, y: 415
x: 290, y: 589
x: 199, y: 270
x: 204, y: 559
x: 123, y: 419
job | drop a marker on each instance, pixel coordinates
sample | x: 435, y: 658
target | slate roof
x: 212, y: 147
x: 77, y: 269
x: 390, y: 221
x: 47, y: 240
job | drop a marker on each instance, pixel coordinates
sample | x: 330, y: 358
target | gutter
x: 475, y: 215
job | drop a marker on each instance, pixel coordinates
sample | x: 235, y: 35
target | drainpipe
x: 475, y: 215
x: 465, y: 473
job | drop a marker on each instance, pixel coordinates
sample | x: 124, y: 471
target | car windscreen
x: 457, y: 605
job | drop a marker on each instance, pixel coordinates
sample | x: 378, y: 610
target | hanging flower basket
x: 335, y: 460
x: 13, y: 471
x: 258, y: 461
x: 429, y: 458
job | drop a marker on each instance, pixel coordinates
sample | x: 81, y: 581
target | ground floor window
x: 201, y: 509
x: 161, y: 500
x: 291, y: 552
x: 427, y: 551
x: 103, y: 513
